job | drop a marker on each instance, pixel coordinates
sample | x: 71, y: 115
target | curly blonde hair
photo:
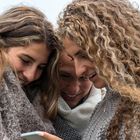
x: 109, y: 31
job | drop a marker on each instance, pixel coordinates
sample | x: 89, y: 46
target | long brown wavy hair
x: 20, y: 26
x: 109, y: 31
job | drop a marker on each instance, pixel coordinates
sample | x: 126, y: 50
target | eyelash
x: 67, y: 77
x: 29, y: 62
x: 41, y: 68
x: 62, y: 75
x: 25, y: 61
x: 83, y: 56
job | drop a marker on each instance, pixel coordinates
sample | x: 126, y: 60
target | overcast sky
x: 50, y: 7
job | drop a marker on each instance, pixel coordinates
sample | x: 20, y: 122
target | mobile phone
x: 32, y: 136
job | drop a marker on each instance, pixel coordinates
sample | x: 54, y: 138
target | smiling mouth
x: 72, y: 96
x: 69, y: 95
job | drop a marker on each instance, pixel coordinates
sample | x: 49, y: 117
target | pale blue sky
x: 50, y: 7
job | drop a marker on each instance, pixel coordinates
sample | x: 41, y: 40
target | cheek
x: 86, y: 87
x: 38, y: 74
x: 16, y: 64
x: 62, y: 84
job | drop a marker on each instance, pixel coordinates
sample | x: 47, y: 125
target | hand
x: 49, y: 136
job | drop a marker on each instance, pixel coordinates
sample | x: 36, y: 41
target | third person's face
x: 78, y: 56
x: 74, y: 85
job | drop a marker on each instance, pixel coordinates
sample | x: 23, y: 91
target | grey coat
x: 17, y: 114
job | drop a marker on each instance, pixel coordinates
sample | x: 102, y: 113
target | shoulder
x: 102, y: 116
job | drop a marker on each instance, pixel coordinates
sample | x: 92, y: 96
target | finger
x: 50, y: 136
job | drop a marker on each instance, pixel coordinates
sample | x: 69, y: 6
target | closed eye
x: 65, y: 76
x: 25, y: 60
x: 84, y: 78
x: 82, y: 54
x: 42, y: 66
x: 92, y: 75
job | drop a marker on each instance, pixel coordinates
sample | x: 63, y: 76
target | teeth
x: 71, y: 96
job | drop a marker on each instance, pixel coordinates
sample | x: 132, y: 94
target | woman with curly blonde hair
x: 108, y: 32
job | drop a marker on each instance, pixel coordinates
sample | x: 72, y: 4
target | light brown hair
x: 22, y: 25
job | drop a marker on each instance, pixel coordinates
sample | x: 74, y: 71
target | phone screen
x: 32, y: 136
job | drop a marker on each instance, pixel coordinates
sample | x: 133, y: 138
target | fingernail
x: 41, y: 133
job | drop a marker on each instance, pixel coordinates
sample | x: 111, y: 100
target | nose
x: 31, y: 74
x: 80, y: 67
x: 74, y: 87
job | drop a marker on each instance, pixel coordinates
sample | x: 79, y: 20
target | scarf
x: 79, y: 116
x: 17, y: 114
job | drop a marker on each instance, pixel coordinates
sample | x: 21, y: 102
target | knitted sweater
x: 98, y: 124
x: 17, y: 114
x: 102, y: 117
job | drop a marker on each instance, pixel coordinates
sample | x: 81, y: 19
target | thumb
x: 49, y: 136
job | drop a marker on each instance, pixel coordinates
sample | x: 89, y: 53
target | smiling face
x: 74, y: 85
x: 79, y: 56
x: 28, y: 61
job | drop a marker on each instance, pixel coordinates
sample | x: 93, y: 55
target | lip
x: 69, y: 96
x: 72, y: 96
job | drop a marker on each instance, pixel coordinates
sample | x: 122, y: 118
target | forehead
x: 38, y: 51
x: 67, y: 67
x: 70, y: 46
x: 74, y: 51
